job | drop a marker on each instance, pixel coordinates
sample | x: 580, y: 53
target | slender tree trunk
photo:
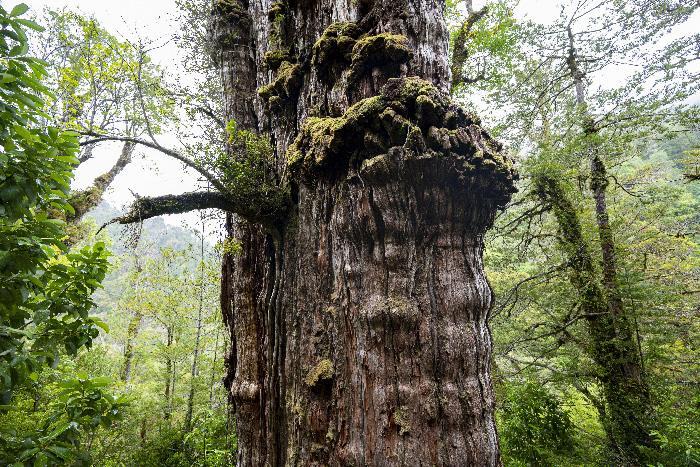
x: 359, y: 323
x: 131, y: 333
x: 198, y: 336
x: 133, y: 329
x: 193, y: 372
x: 143, y: 431
x: 212, y: 381
x: 169, y: 370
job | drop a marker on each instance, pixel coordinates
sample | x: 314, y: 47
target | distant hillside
x: 154, y: 236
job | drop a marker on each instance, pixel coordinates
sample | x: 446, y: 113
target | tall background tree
x: 585, y: 99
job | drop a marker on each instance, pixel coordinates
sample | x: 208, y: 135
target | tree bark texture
x: 359, y: 322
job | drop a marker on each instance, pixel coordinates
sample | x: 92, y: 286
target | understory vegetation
x: 112, y: 343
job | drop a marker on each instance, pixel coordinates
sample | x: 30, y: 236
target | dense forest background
x: 118, y: 359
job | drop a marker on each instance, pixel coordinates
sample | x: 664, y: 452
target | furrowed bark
x: 245, y: 276
x: 358, y: 327
x: 132, y: 332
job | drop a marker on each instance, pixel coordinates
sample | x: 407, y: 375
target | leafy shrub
x: 533, y: 427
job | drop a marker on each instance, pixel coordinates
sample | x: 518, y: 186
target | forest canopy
x: 398, y: 233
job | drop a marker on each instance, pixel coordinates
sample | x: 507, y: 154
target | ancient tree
x: 358, y: 196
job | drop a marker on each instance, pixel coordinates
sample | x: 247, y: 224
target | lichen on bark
x: 322, y: 371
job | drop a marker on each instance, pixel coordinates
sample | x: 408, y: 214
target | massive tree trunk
x: 359, y: 321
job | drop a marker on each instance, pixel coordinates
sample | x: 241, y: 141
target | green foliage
x: 78, y: 408
x: 99, y: 83
x: 534, y: 428
x: 45, y: 295
x: 45, y: 291
x: 205, y: 445
x: 229, y: 246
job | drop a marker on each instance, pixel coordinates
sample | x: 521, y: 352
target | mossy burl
x: 382, y: 50
x: 273, y: 59
x: 341, y: 44
x: 335, y: 45
x: 409, y: 113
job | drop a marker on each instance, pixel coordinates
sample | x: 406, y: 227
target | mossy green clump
x: 342, y: 46
x: 321, y: 372
x: 284, y: 87
x: 382, y: 50
x: 410, y: 114
x: 231, y: 9
x: 334, y: 47
x: 248, y: 178
x: 84, y: 200
x: 401, y: 419
x: 273, y: 59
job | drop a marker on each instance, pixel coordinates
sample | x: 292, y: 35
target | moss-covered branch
x: 460, y: 51
x: 268, y: 209
x: 147, y: 208
x: 84, y: 200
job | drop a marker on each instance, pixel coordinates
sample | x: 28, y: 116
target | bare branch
x: 168, y: 152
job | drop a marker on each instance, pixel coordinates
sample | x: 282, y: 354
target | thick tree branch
x: 84, y: 200
x: 146, y: 208
x: 268, y: 210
